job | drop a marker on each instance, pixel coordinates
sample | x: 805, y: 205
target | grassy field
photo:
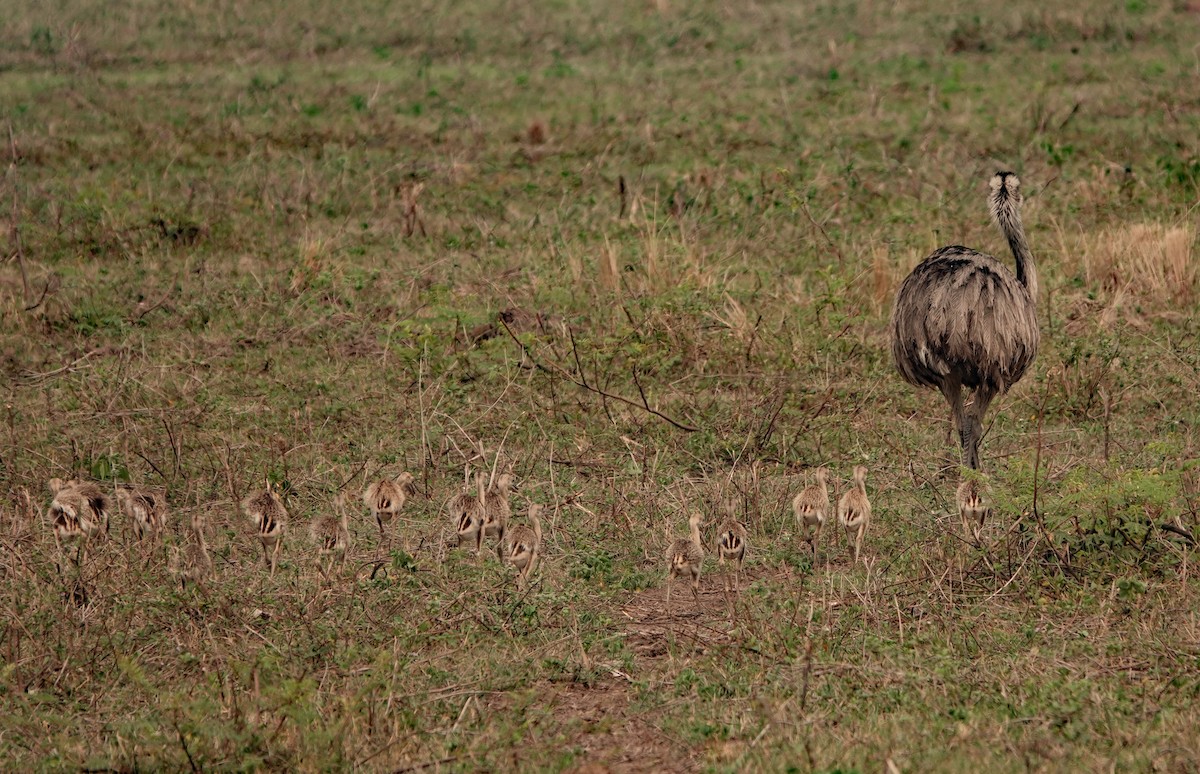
x: 645, y: 251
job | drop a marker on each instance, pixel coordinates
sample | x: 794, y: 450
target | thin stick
x: 584, y: 384
x: 14, y: 231
x: 808, y: 651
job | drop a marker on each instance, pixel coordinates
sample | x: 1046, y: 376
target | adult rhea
x: 962, y: 319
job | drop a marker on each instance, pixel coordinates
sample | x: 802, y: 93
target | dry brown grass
x: 1152, y: 262
x: 263, y: 229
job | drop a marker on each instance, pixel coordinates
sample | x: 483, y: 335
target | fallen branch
x: 1181, y: 532
x: 31, y: 376
x: 155, y: 305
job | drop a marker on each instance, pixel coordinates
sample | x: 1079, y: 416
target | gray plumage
x: 963, y: 319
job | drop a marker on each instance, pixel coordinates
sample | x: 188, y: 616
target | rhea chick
x: 684, y: 557
x: 972, y: 505
x: 731, y: 547
x: 386, y: 498
x: 146, y: 508
x: 497, y: 510
x: 266, y: 511
x: 192, y: 563
x: 469, y: 512
x: 78, y: 512
x: 331, y: 534
x: 525, y: 546
x: 854, y: 510
x: 811, y: 507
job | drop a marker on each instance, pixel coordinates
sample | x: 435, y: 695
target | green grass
x: 256, y: 240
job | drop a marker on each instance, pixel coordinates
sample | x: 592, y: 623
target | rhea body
x: 963, y: 320
x: 386, y: 498
x: 469, y: 511
x: 146, y: 509
x: 269, y: 516
x: 330, y: 533
x: 731, y: 547
x: 972, y: 505
x: 192, y: 562
x: 525, y: 545
x: 497, y: 510
x: 811, y: 508
x: 685, y: 557
x: 78, y: 512
x: 854, y: 511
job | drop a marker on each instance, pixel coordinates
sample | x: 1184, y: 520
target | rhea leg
x: 737, y: 583
x: 60, y: 552
x: 952, y: 392
x: 972, y: 432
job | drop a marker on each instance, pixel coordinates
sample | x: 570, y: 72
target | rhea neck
x: 1008, y: 217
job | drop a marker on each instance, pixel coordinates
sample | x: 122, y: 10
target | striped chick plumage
x: 685, y: 556
x: 330, y: 532
x: 497, y: 510
x: 269, y: 516
x: 811, y: 507
x: 469, y: 511
x: 386, y: 498
x: 972, y: 505
x: 854, y: 511
x: 146, y: 509
x: 78, y: 512
x: 731, y: 547
x: 525, y: 545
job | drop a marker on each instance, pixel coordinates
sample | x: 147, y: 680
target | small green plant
x: 1129, y: 589
x: 41, y: 40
